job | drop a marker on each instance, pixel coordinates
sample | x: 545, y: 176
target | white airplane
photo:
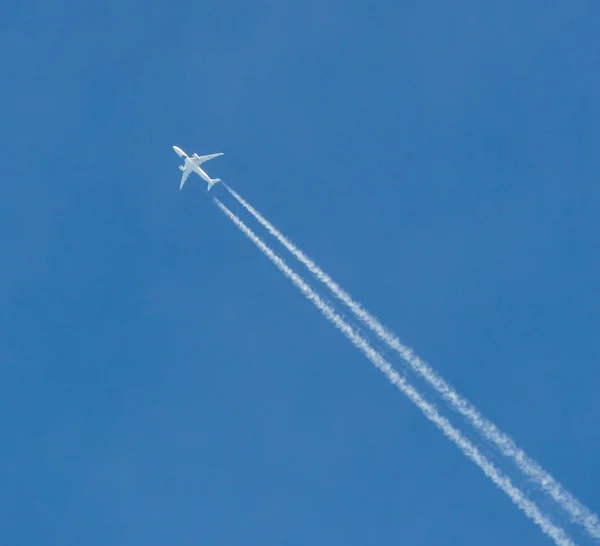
x: 191, y: 164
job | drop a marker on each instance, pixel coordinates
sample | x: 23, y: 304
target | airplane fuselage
x: 189, y: 165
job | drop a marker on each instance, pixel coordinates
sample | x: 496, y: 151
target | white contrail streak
x: 577, y: 511
x: 429, y: 410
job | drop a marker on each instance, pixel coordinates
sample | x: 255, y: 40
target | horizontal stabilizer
x: 212, y: 182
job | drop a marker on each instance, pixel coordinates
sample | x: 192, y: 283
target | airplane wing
x: 199, y: 159
x: 184, y: 178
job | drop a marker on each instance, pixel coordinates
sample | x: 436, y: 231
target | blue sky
x: 162, y: 383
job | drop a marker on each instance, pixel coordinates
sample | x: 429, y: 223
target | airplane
x: 191, y: 164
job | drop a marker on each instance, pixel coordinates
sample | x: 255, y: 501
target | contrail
x: 530, y: 509
x: 577, y: 511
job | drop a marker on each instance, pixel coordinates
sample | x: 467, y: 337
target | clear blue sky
x: 162, y: 383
